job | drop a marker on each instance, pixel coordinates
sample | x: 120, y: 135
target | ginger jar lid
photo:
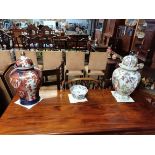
x: 24, y: 63
x: 129, y: 62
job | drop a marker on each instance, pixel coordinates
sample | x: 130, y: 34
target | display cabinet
x: 143, y: 41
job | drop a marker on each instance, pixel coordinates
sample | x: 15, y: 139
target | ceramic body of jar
x: 126, y: 78
x: 26, y: 80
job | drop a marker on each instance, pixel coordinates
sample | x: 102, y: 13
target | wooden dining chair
x: 32, y: 31
x: 71, y: 43
x: 5, y: 76
x: 51, y: 59
x: 5, y: 40
x: 97, y: 64
x: 45, y: 37
x: 6, y: 92
x: 5, y: 60
x: 74, y: 64
x: 45, y: 30
x: 17, y: 39
x: 82, y: 44
x: 53, y: 65
x: 90, y: 83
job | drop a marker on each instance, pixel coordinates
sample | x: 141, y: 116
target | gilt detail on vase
x: 26, y: 79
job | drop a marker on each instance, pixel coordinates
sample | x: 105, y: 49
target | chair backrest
x: 5, y: 98
x: 5, y: 40
x: 90, y: 83
x: 75, y: 60
x: 30, y: 54
x: 32, y: 30
x: 51, y: 60
x: 72, y: 43
x: 6, y: 80
x: 82, y: 43
x: 5, y: 59
x: 45, y: 30
x: 16, y: 34
x: 98, y: 60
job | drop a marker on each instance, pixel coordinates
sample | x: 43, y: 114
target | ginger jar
x: 26, y: 79
x: 126, y: 78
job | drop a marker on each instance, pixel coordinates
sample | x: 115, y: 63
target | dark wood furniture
x: 146, y: 52
x: 59, y: 72
x: 101, y: 114
x: 6, y: 81
x: 45, y: 37
x: 5, y: 40
x: 82, y: 44
x: 32, y: 32
x: 17, y: 38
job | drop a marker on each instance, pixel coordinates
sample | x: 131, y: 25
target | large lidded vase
x: 126, y: 78
x: 26, y: 79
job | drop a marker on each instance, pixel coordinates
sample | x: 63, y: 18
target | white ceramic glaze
x: 78, y: 91
x: 126, y: 78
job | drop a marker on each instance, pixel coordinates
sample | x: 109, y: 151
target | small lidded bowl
x: 78, y: 91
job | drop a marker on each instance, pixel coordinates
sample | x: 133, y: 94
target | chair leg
x: 66, y: 76
x: 46, y: 78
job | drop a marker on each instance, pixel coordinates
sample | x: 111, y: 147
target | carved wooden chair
x: 6, y: 90
x: 45, y: 37
x: 5, y: 76
x: 90, y: 83
x: 97, y: 64
x: 53, y: 65
x: 32, y: 31
x: 5, y: 60
x: 82, y: 44
x: 17, y: 40
x: 74, y: 64
x: 71, y: 43
x: 5, y: 40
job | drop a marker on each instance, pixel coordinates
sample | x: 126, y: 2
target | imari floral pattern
x: 24, y: 63
x: 26, y: 80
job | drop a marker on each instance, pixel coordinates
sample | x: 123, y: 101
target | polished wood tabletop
x: 101, y: 114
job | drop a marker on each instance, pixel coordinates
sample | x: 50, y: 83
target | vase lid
x: 24, y: 63
x: 129, y: 62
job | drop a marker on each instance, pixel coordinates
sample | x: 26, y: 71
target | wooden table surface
x: 101, y: 114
